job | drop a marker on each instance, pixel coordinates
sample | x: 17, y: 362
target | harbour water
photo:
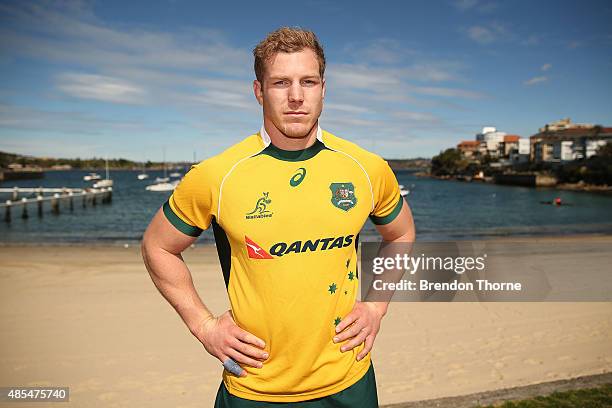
x: 443, y: 210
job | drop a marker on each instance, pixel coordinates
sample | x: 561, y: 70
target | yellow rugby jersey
x: 286, y: 224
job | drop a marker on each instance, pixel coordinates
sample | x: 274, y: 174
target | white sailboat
x: 107, y: 182
x: 143, y: 175
x: 164, y: 179
x: 166, y: 186
x: 163, y: 183
x: 92, y: 177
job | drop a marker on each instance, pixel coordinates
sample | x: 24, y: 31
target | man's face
x: 292, y: 92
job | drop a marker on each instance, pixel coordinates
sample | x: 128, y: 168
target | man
x: 286, y: 206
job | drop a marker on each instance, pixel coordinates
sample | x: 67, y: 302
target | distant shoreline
x: 578, y: 187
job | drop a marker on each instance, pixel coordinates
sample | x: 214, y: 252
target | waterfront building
x: 492, y: 139
x: 564, y: 124
x: 520, y: 153
x: 469, y: 149
x: 572, y: 142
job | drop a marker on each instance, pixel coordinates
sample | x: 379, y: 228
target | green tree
x: 448, y: 162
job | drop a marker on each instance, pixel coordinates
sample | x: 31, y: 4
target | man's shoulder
x: 215, y: 167
x: 248, y: 146
x: 370, y: 161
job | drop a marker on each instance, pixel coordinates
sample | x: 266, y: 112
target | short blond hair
x: 286, y: 39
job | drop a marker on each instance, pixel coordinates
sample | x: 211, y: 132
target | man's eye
x: 279, y: 83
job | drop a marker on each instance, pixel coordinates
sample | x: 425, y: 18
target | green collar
x: 294, y: 155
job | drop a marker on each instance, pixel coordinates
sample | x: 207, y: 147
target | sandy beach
x: 90, y: 318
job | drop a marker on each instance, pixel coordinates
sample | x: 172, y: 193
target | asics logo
x: 298, y: 177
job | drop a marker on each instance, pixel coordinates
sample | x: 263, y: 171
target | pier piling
x: 7, y: 211
x: 55, y: 204
x: 39, y: 202
x: 60, y: 196
x: 24, y: 213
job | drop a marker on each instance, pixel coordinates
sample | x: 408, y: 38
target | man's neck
x: 284, y: 142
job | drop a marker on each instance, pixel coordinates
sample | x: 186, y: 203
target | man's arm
x: 162, y: 246
x: 363, y: 322
x: 401, y: 229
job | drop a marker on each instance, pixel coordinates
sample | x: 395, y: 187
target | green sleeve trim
x: 391, y: 216
x: 180, y: 224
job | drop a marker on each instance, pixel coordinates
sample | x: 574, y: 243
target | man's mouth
x: 296, y: 113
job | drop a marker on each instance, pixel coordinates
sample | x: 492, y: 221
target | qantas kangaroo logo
x: 255, y: 251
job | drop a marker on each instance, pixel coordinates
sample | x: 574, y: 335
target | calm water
x: 442, y: 210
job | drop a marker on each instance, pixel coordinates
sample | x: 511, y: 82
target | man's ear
x: 258, y: 91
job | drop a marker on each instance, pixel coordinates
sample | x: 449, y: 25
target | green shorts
x: 361, y: 394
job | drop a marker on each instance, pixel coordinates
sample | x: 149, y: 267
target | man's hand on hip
x: 223, y: 339
x: 360, y: 325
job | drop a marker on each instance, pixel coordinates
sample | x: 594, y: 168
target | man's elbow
x: 400, y: 236
x: 409, y: 236
x: 145, y: 246
x: 409, y: 232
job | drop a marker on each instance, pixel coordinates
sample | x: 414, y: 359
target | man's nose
x: 296, y: 93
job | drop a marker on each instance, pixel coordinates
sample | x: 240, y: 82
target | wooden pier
x: 90, y: 196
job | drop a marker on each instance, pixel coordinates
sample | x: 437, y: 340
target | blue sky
x: 404, y: 79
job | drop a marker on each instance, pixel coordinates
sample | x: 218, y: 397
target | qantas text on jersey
x: 283, y: 248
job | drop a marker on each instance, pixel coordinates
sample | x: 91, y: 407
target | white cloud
x: 465, y: 4
x: 205, y: 83
x: 531, y: 40
x: 420, y: 117
x: 480, y: 6
x: 481, y: 35
x: 23, y: 118
x: 535, y: 80
x: 488, y: 7
x: 539, y: 79
x: 67, y: 36
x: 125, y: 65
x: 349, y: 121
x: 390, y: 79
x: 432, y: 72
x: 379, y: 51
x: 447, y: 92
x: 220, y: 99
x: 101, y: 88
x: 489, y: 33
x: 361, y: 76
x: 345, y: 107
x: 244, y: 87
